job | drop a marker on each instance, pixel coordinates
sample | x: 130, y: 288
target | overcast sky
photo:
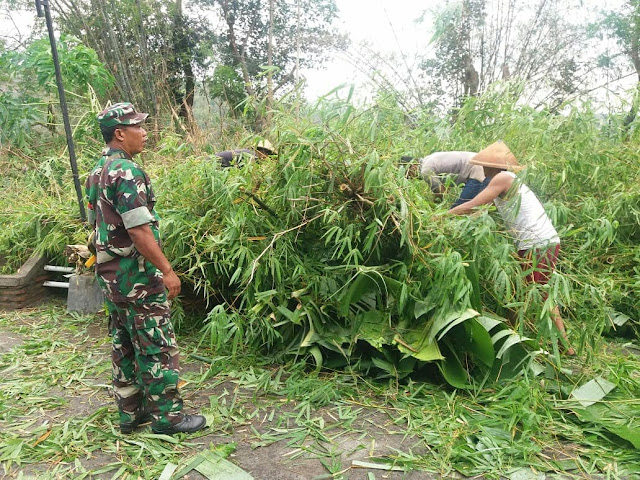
x: 387, y: 25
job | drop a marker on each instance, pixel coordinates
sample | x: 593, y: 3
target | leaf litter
x: 57, y: 417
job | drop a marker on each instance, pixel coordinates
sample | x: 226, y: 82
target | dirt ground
x: 370, y: 435
x: 9, y: 340
x: 237, y: 414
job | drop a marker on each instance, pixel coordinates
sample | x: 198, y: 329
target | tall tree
x: 624, y: 26
x: 480, y: 41
x: 270, y: 62
x: 271, y: 33
x: 182, y: 77
x: 150, y: 46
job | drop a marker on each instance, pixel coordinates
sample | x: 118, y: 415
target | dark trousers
x: 471, y: 189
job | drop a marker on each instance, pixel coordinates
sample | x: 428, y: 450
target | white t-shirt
x: 433, y: 168
x: 526, y: 219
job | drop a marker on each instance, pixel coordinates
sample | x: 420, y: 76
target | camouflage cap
x: 123, y: 113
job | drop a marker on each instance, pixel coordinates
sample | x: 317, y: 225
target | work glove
x: 91, y: 245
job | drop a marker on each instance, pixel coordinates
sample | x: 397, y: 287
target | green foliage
x: 349, y: 257
x: 227, y: 86
x: 79, y: 65
x: 622, y: 24
x: 17, y: 115
x: 29, y: 105
x: 149, y: 46
x: 302, y: 33
x: 328, y: 252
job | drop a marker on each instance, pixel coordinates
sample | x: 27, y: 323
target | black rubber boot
x: 189, y: 424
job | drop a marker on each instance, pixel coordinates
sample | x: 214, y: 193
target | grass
x: 343, y: 270
x: 57, y: 419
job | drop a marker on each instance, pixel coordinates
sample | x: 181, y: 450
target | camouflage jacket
x: 120, y: 196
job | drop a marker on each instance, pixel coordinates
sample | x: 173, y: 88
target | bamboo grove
x: 329, y: 253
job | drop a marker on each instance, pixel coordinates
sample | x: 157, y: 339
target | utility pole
x: 270, y: 64
x: 42, y: 7
x: 298, y: 86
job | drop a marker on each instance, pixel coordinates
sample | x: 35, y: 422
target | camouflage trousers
x: 145, y: 361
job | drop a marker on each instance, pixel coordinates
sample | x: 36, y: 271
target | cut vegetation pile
x: 329, y: 251
x: 329, y: 254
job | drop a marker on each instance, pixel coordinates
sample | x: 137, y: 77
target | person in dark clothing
x: 236, y: 158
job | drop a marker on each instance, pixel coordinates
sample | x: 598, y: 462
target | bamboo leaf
x: 442, y: 325
x: 214, y: 467
x: 453, y: 372
x: 526, y: 474
x: 374, y: 329
x: 376, y: 466
x: 42, y: 438
x: 168, y: 470
x: 593, y: 391
x: 421, y: 308
x: 482, y: 346
x: 429, y: 353
x: 513, y: 339
x: 317, y: 356
x: 471, y: 271
x: 630, y: 434
x: 488, y: 323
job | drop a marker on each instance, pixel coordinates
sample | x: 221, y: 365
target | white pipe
x: 50, y: 283
x: 55, y: 268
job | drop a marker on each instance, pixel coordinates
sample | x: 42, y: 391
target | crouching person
x: 536, y: 238
x: 237, y: 158
x: 436, y: 167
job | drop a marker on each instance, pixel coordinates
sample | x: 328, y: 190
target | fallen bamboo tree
x: 345, y: 261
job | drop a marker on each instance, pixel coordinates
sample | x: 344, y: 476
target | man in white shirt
x: 536, y: 238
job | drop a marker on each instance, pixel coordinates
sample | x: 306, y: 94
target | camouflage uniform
x: 144, y: 354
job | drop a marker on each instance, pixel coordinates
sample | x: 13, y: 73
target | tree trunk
x: 634, y: 53
x: 149, y: 91
x: 297, y: 41
x: 121, y: 71
x: 181, y: 70
x: 470, y: 77
x: 237, y: 54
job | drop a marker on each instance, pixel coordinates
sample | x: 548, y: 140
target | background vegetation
x: 326, y: 254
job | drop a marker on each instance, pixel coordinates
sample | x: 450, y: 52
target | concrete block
x: 84, y: 294
x: 24, y: 288
x: 26, y: 274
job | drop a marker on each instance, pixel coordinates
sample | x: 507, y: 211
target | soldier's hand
x: 172, y: 282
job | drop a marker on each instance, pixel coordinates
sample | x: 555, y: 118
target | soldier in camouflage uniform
x: 136, y: 278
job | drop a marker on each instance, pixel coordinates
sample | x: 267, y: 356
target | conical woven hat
x: 496, y: 155
x: 266, y: 146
